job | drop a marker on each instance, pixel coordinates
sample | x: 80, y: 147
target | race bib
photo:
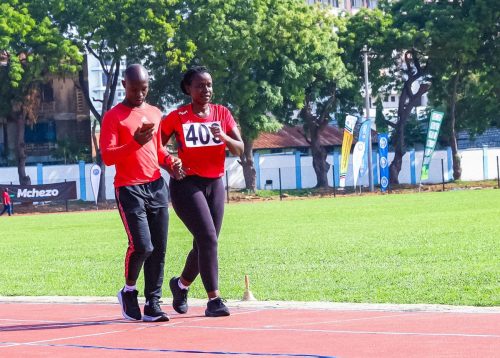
x: 199, y: 135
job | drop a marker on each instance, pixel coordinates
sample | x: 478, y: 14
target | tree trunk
x: 399, y: 151
x: 457, y: 168
x: 246, y: 161
x: 407, y: 101
x: 320, y: 165
x: 314, y: 124
x: 101, y: 195
x: 21, y: 149
x: 26, y: 109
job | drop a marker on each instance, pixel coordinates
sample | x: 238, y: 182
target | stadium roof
x: 292, y: 137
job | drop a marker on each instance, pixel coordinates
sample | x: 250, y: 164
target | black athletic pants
x: 199, y: 203
x: 144, y: 212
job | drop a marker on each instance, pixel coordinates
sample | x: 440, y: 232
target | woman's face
x: 200, y: 88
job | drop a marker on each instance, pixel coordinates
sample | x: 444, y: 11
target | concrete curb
x: 338, y: 306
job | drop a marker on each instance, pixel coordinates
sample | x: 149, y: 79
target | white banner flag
x: 95, y: 179
x: 357, y: 159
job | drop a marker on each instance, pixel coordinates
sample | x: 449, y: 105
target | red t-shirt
x: 200, y: 152
x: 134, y: 164
x: 6, y: 198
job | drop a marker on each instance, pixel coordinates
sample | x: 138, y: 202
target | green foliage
x: 110, y: 30
x: 373, y: 29
x: 437, y: 253
x: 262, y: 55
x: 36, y: 50
x: 416, y: 131
x: 380, y: 120
x: 71, y: 152
x: 461, y: 42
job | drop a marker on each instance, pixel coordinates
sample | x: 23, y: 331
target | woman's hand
x: 177, y: 171
x: 217, y: 132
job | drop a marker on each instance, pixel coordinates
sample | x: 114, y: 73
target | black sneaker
x: 153, y: 312
x: 216, y: 308
x: 129, y: 304
x: 179, y: 296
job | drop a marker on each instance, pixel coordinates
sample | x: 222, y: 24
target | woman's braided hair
x: 188, y: 76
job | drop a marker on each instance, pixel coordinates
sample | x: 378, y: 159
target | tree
x: 459, y: 39
x: 463, y: 50
x: 264, y: 56
x: 31, y: 50
x: 231, y: 39
x: 395, y: 64
x: 321, y: 76
x: 380, y: 121
x: 111, y: 30
x: 415, y: 85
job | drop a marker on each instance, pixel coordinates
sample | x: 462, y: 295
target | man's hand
x: 144, y: 134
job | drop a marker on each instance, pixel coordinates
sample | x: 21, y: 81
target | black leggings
x: 199, y: 203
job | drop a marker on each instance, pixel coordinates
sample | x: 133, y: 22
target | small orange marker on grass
x: 247, y: 295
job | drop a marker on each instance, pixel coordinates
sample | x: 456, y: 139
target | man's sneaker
x: 179, y: 296
x: 153, y: 312
x: 129, y: 304
x: 216, y: 308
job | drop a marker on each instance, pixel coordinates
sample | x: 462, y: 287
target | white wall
x: 268, y: 169
x: 493, y: 166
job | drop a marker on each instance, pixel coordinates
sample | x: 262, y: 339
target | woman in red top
x: 203, y: 132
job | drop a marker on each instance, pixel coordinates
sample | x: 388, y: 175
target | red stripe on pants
x: 131, y: 248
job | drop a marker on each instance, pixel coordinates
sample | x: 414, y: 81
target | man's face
x: 135, y: 91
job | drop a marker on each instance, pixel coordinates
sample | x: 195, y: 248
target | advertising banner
x: 430, y: 144
x: 45, y: 192
x: 383, y: 151
x: 357, y: 160
x: 350, y: 123
x: 364, y: 136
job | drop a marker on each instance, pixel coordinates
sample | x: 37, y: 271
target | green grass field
x: 411, y: 248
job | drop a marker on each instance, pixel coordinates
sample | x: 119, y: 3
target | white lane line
x: 26, y: 320
x: 340, y: 320
x: 348, y: 331
x: 62, y: 338
x: 199, y: 319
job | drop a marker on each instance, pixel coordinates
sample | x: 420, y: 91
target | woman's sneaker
x: 216, y: 308
x: 153, y: 312
x: 179, y: 296
x: 129, y: 304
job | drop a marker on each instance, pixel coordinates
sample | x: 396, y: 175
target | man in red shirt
x: 7, y: 205
x: 131, y: 141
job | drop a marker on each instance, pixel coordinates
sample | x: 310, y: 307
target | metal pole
x: 66, y: 200
x: 367, y: 108
x: 334, y: 187
x: 498, y: 174
x: 279, y: 174
x: 442, y: 171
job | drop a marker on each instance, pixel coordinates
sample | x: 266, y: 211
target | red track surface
x: 98, y: 330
